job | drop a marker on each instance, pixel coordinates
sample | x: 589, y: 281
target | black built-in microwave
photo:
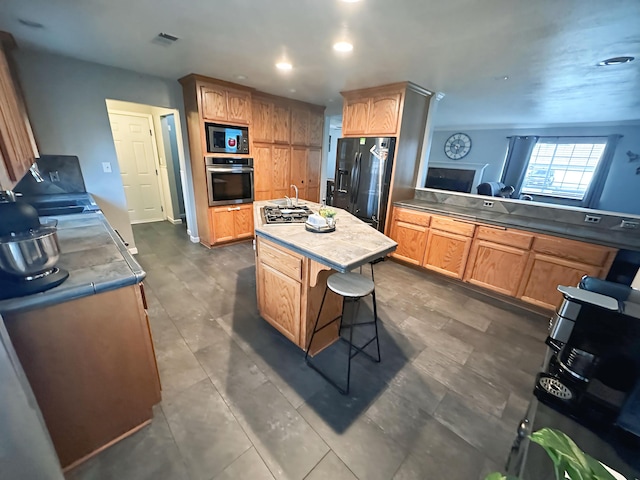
x: 226, y: 138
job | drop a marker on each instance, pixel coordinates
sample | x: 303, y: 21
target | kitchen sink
x: 283, y: 202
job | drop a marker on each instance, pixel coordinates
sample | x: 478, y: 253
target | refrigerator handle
x: 354, y: 170
x: 340, y: 186
x: 356, y: 180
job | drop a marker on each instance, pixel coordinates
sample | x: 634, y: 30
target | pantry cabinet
x: 281, y: 124
x: 512, y: 262
x: 18, y: 149
x: 232, y: 222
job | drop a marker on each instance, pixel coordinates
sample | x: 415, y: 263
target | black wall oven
x: 229, y: 180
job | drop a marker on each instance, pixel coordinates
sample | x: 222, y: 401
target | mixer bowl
x: 30, y: 253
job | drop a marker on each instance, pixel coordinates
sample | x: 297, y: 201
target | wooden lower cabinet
x: 512, y: 262
x: 92, y: 368
x: 230, y: 223
x: 447, y: 253
x: 289, y: 290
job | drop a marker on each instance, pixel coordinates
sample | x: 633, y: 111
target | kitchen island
x: 85, y: 345
x: 292, y: 267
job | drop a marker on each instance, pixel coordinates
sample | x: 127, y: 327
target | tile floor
x: 240, y: 403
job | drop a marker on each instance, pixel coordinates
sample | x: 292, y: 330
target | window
x: 563, y: 167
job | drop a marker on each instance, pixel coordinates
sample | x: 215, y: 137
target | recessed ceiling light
x: 342, y: 47
x: 284, y: 66
x: 616, y: 61
x: 31, y: 24
x: 292, y: 90
x: 241, y: 77
x: 350, y: 1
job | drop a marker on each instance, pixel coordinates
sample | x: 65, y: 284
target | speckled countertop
x: 94, y: 255
x: 555, y: 224
x: 353, y: 243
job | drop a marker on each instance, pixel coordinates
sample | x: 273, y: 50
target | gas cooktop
x: 284, y: 215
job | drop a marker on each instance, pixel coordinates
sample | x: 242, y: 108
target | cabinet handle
x: 229, y: 209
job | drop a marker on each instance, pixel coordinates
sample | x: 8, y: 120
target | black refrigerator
x: 362, y: 178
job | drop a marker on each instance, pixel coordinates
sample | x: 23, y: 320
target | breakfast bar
x: 293, y: 264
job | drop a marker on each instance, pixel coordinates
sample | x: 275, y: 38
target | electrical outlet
x: 54, y: 176
x: 592, y: 218
x: 629, y: 225
x: 106, y: 167
x: 487, y: 203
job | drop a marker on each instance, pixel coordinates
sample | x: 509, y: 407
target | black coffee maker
x: 592, y: 370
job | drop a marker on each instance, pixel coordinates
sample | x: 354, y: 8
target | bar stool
x: 353, y: 287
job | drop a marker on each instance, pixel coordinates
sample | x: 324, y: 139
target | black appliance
x: 592, y: 370
x: 363, y: 176
x: 284, y: 215
x: 226, y: 138
x: 229, y: 180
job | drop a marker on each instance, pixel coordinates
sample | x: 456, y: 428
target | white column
x: 428, y: 136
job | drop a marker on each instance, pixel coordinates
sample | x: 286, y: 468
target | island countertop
x: 354, y: 243
x: 94, y: 255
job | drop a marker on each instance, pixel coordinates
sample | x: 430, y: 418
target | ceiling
x: 548, y: 49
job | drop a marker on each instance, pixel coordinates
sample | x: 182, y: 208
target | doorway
x: 137, y: 158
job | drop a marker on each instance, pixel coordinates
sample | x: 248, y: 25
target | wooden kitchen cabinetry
x: 305, y: 172
x: 223, y: 104
x: 520, y: 264
x: 373, y: 112
x: 557, y: 261
x: 448, y: 246
x: 18, y: 149
x: 290, y: 289
x: 92, y: 368
x: 410, y: 229
x: 231, y: 222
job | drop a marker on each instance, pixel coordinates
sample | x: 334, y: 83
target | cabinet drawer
x: 411, y: 216
x: 452, y: 226
x: 513, y: 238
x: 284, y: 262
x: 572, y: 250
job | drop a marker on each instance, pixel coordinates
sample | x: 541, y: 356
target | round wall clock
x: 457, y: 146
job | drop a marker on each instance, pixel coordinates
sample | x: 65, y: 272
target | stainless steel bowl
x: 30, y: 253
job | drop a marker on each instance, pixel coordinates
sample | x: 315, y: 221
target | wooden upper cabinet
x: 355, y: 116
x: 316, y: 126
x: 299, y: 126
x: 280, y: 171
x: 239, y: 106
x: 262, y: 120
x: 214, y: 103
x: 281, y: 124
x: 17, y: 146
x: 384, y: 114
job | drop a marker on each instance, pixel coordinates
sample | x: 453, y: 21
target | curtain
x: 515, y: 166
x: 592, y: 196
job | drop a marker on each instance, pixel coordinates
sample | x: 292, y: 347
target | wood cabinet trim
x: 510, y: 237
x: 462, y: 262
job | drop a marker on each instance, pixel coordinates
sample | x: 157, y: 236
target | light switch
x: 106, y: 167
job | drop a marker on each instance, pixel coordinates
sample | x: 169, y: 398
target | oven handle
x: 230, y: 169
x: 229, y: 209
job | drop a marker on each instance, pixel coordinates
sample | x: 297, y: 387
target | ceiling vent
x: 167, y: 37
x: 616, y: 61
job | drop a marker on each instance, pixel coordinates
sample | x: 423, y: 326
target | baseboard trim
x: 133, y: 250
x: 194, y: 239
x: 175, y: 222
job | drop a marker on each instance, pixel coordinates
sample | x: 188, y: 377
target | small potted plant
x: 329, y: 214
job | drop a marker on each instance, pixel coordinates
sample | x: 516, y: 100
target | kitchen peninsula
x: 293, y: 264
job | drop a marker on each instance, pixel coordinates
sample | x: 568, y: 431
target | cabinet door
x: 262, y: 167
x: 17, y: 152
x: 412, y: 240
x: 544, y: 273
x: 281, y: 124
x: 355, y: 116
x: 299, y: 126
x: 299, y: 159
x: 239, y: 106
x: 447, y: 253
x: 243, y: 221
x: 279, y: 301
x: 384, y: 114
x: 214, y: 103
x: 316, y: 124
x: 280, y: 171
x: 222, y: 224
x: 314, y: 163
x: 496, y: 267
x: 262, y: 120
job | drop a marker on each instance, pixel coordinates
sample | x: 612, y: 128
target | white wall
x: 66, y: 102
x: 489, y: 146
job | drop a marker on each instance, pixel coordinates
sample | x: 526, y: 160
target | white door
x: 134, y: 148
